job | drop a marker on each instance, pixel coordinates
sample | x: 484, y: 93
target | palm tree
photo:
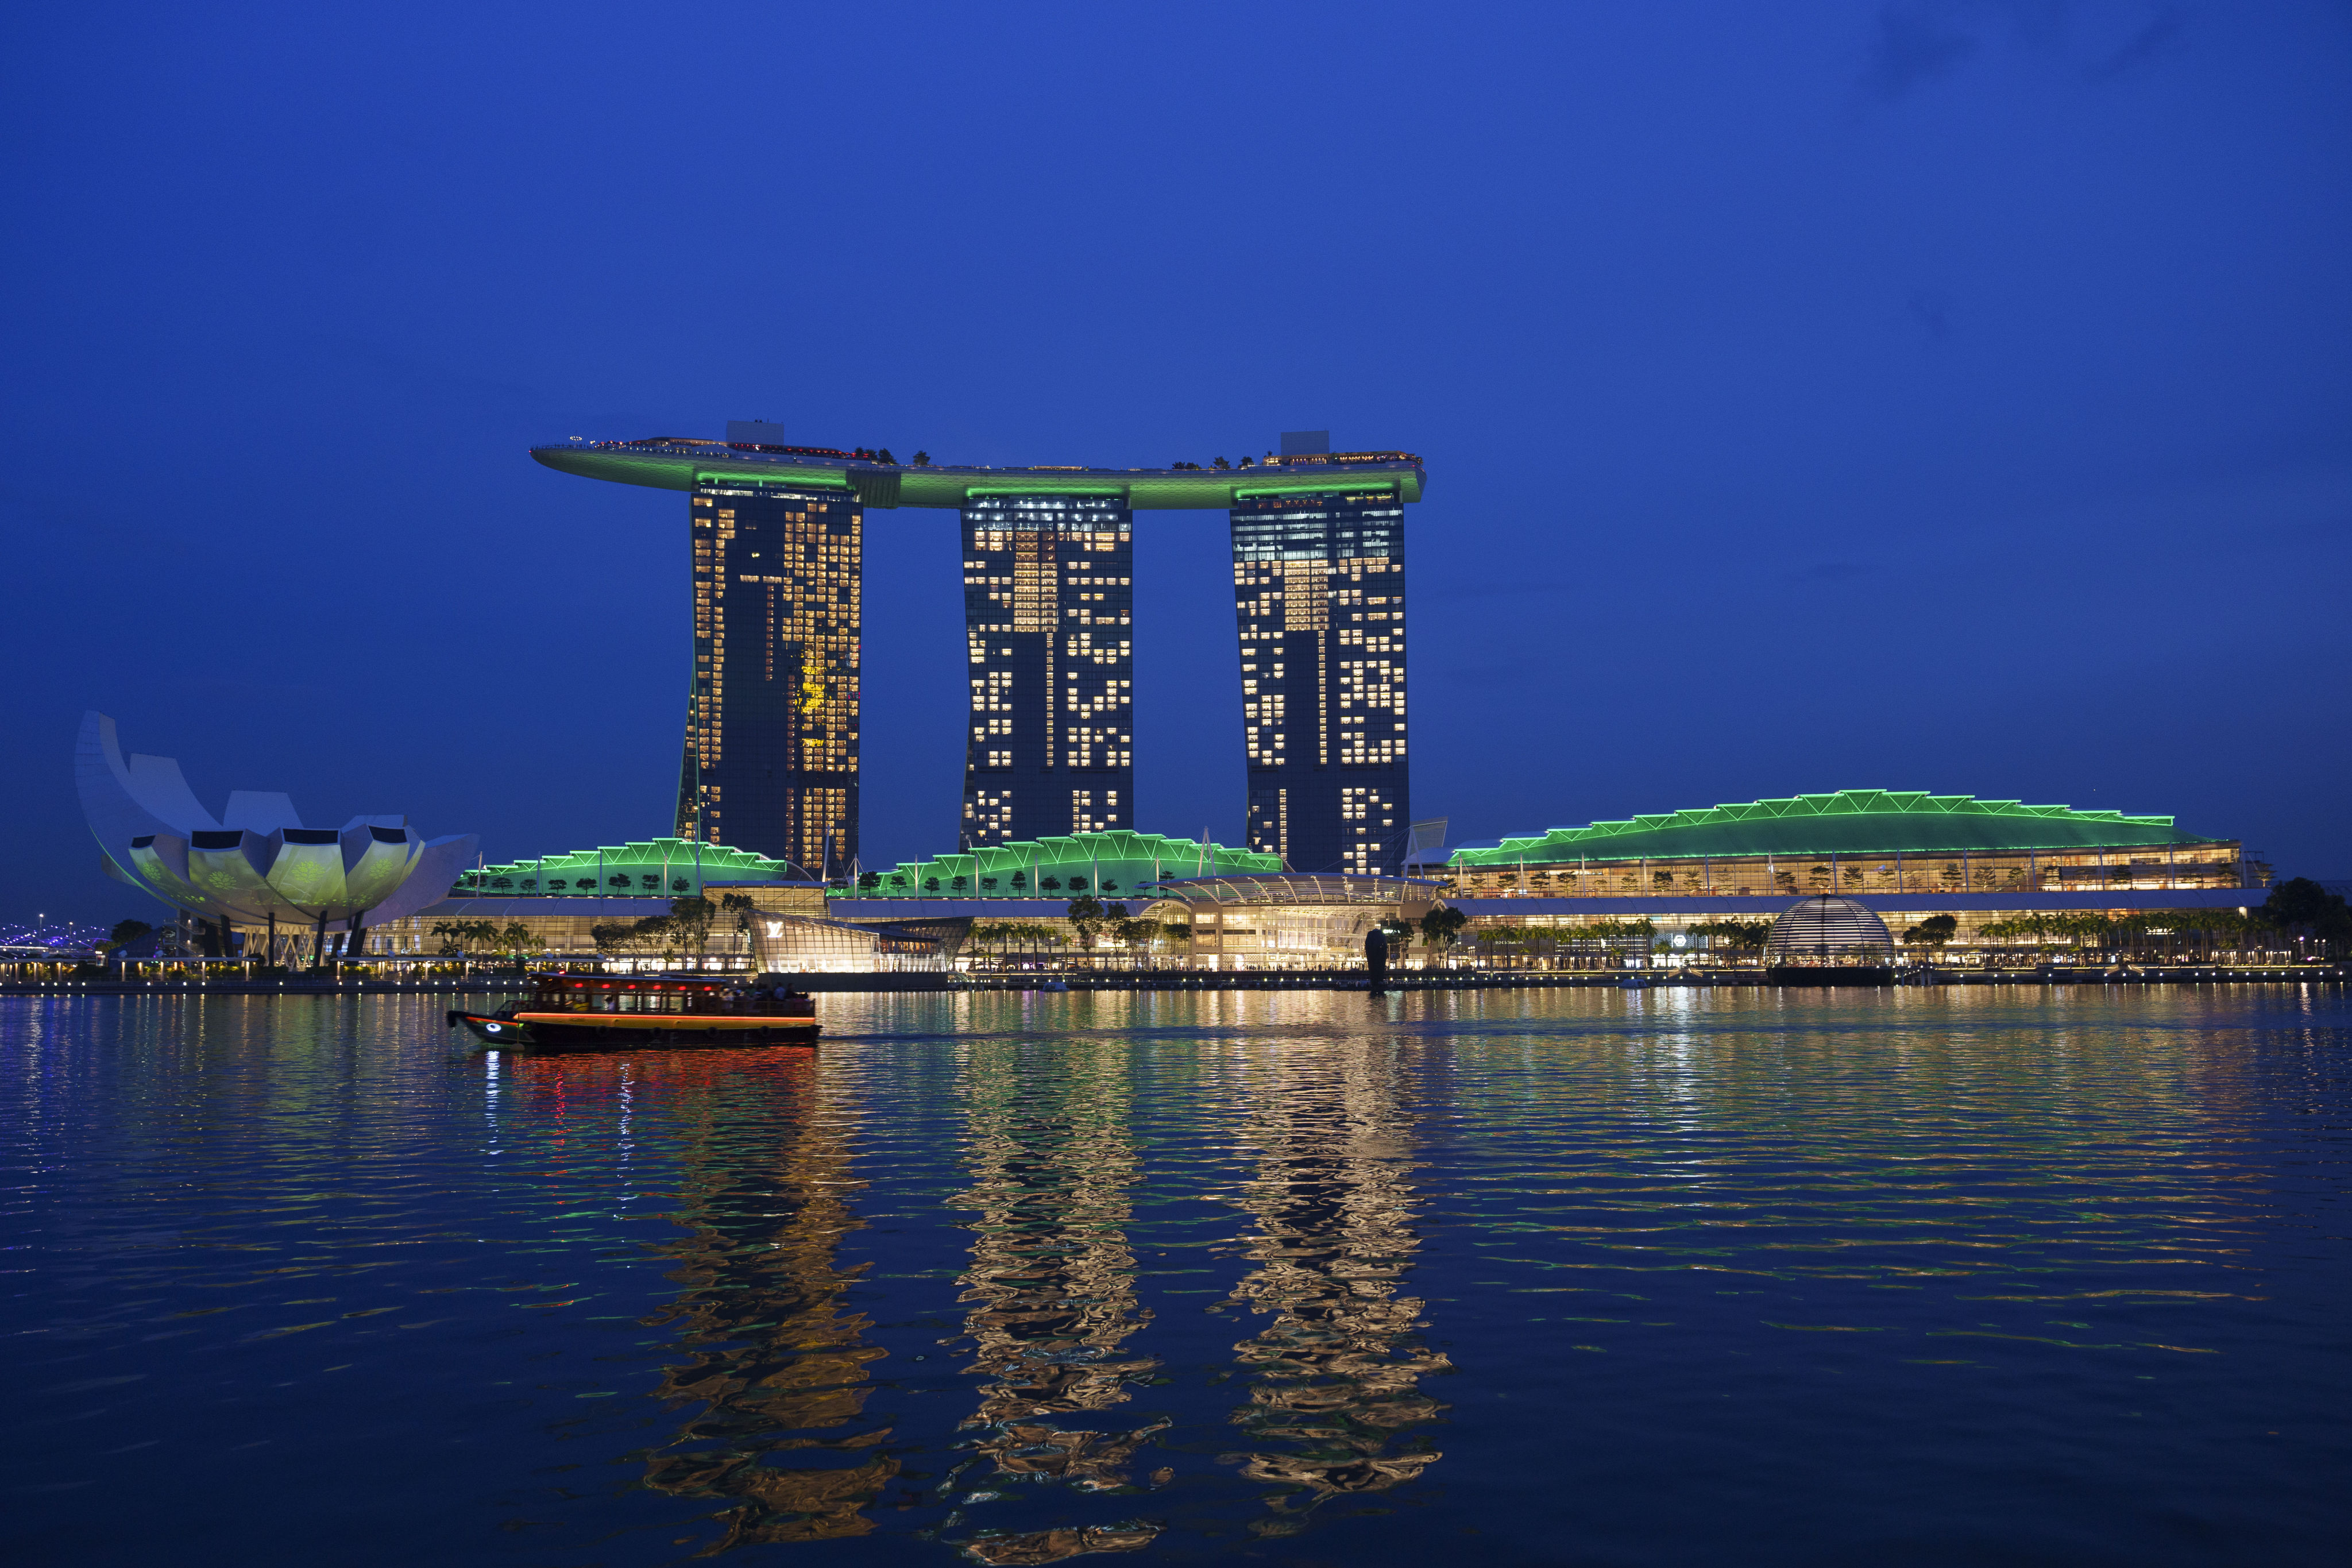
x: 741, y: 908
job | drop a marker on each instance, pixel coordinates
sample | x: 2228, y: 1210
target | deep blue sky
x: 1937, y: 396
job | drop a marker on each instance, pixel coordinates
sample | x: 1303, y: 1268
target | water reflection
x: 1335, y: 1376
x: 1053, y: 1165
x: 776, y: 1375
x: 1839, y: 1277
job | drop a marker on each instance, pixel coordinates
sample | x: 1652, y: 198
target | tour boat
x: 624, y: 1012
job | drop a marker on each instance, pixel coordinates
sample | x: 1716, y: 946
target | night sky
x: 1933, y: 396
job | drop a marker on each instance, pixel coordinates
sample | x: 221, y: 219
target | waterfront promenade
x: 501, y: 981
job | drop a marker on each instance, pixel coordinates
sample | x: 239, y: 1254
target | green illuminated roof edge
x: 716, y: 860
x: 1046, y: 488
x: 1843, y: 805
x: 1180, y: 856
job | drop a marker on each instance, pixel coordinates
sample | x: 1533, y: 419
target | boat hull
x: 632, y: 1031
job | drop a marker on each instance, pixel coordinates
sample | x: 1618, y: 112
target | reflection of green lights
x: 1333, y: 486
x: 309, y: 873
x: 159, y: 874
x: 1046, y: 488
x: 803, y: 478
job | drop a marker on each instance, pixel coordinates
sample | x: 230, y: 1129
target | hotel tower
x: 1318, y: 591
x: 771, y: 723
x: 770, y: 761
x: 1048, y: 612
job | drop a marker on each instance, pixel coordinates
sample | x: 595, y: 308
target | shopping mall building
x: 598, y: 902
x: 1992, y: 865
x: 1210, y: 907
x: 1682, y: 882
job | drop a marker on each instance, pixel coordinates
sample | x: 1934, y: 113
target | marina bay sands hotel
x: 775, y: 535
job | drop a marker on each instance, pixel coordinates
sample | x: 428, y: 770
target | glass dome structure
x: 1827, y: 931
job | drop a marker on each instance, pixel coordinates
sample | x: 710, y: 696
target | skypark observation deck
x: 772, y: 729
x: 686, y: 463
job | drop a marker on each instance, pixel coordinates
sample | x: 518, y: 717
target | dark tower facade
x: 771, y: 723
x: 1319, y: 590
x: 1048, y: 611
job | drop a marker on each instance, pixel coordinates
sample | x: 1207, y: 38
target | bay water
x: 1960, y: 1275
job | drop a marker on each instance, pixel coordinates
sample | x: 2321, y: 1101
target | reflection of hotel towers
x: 1052, y: 1275
x: 777, y: 1365
x: 1335, y: 1374
x: 1048, y: 600
x: 772, y: 722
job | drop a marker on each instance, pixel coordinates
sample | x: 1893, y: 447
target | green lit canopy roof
x: 1850, y: 822
x: 648, y: 867
x: 683, y: 465
x: 1116, y: 864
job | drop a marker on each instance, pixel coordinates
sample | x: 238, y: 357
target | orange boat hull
x: 632, y: 1031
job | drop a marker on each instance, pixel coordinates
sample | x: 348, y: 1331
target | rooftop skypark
x: 683, y: 462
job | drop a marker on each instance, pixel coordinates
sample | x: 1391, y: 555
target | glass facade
x: 1048, y: 610
x: 2137, y: 867
x: 1318, y: 592
x: 770, y: 760
x: 1675, y: 935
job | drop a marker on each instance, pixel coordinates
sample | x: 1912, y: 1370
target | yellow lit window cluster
x: 776, y: 584
x: 1367, y: 819
x: 988, y: 816
x: 1086, y: 817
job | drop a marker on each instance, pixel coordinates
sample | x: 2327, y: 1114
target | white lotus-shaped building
x: 256, y: 862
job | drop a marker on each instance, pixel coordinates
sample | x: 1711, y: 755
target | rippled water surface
x: 1611, y: 1278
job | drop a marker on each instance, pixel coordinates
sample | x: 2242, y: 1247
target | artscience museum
x: 254, y: 880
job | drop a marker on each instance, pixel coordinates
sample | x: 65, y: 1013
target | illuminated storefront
x: 1288, y: 919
